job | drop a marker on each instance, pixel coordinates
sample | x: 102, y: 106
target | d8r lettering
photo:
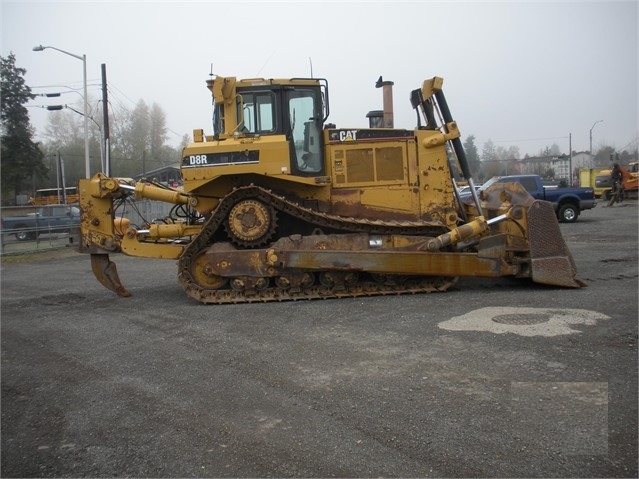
x: 197, y: 160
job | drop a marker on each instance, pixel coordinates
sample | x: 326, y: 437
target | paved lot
x: 492, y: 379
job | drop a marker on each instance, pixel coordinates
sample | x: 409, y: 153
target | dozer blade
x: 107, y: 274
x: 552, y: 262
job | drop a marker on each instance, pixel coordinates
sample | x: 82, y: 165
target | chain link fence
x: 39, y: 239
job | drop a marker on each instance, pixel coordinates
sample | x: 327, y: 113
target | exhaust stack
x: 387, y: 92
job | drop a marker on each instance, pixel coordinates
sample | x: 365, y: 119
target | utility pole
x: 64, y: 181
x: 57, y: 173
x: 598, y: 121
x: 60, y: 175
x: 105, y: 126
x: 570, y: 159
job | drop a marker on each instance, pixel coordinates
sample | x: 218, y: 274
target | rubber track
x: 352, y: 225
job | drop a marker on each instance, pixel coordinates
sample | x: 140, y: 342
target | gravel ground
x: 491, y: 379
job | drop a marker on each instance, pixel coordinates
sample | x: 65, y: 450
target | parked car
x: 465, y: 190
x: 46, y: 219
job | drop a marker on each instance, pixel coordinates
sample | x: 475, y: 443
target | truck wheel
x: 567, y: 213
x: 24, y: 235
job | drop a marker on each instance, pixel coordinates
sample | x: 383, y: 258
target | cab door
x: 303, y: 121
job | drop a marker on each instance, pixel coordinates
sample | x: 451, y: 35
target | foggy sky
x: 526, y: 74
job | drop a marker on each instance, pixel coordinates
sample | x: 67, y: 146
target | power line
x: 111, y: 85
x: 635, y: 141
x: 531, y: 139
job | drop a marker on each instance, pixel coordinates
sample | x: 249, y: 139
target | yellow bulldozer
x: 278, y: 204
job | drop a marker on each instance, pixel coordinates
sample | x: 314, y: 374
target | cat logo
x: 348, y: 135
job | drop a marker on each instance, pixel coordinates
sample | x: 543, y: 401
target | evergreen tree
x: 472, y: 155
x: 157, y: 133
x: 21, y: 157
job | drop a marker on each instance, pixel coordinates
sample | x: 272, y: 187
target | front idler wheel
x: 204, y: 275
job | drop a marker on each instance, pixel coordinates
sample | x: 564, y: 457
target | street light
x: 87, y: 166
x: 598, y: 121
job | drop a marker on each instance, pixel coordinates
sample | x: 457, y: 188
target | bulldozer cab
x: 295, y: 108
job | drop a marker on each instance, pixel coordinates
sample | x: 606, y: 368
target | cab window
x: 528, y: 183
x: 257, y: 114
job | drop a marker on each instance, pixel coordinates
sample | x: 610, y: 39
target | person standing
x: 617, y: 188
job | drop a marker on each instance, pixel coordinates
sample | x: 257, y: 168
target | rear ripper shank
x: 280, y: 205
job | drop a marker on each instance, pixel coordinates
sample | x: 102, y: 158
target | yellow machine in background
x: 278, y: 204
x: 55, y: 196
x: 600, y: 179
x: 596, y: 178
x: 630, y: 179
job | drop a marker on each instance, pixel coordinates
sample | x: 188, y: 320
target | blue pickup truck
x: 568, y: 202
x: 45, y: 219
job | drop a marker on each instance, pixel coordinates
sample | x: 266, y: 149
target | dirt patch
x: 34, y: 257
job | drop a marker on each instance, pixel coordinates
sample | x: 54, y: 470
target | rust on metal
x: 551, y: 260
x: 107, y: 274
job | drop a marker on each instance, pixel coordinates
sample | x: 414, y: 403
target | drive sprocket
x: 251, y: 223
